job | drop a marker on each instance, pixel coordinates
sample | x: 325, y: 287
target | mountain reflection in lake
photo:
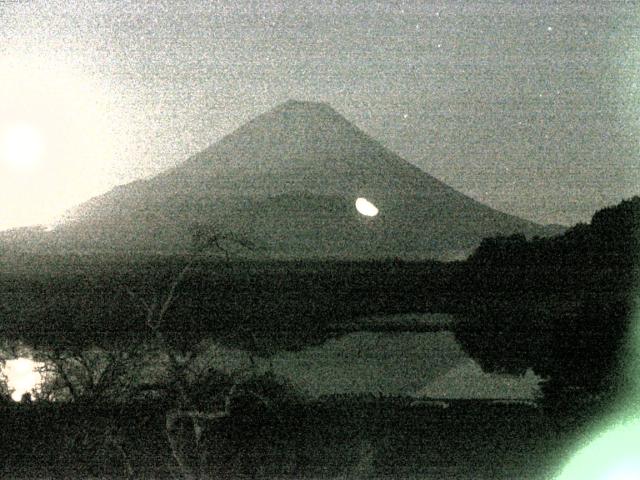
x: 425, y: 364
x: 430, y: 364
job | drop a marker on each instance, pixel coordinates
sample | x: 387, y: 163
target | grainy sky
x: 532, y: 109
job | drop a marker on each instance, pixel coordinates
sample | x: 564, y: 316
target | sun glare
x: 23, y: 147
x: 611, y: 456
x: 613, y: 453
x: 22, y: 376
x: 63, y: 136
x: 366, y: 208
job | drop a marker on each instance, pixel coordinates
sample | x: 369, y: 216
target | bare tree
x: 90, y: 376
x: 100, y: 375
x: 189, y: 454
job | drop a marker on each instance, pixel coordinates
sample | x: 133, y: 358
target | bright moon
x: 22, y: 147
x: 22, y: 376
x: 366, y: 208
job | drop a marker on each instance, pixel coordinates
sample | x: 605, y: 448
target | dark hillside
x: 561, y: 305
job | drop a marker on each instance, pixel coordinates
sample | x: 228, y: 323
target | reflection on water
x: 460, y: 442
x: 389, y: 364
x: 22, y: 376
x: 430, y: 364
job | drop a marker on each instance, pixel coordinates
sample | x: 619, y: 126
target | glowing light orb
x: 22, y: 376
x: 23, y: 147
x: 366, y: 208
x: 614, y: 455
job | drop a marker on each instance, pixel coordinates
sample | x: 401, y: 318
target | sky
x: 532, y: 109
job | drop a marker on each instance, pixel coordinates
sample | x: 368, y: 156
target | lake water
x: 429, y: 364
x: 426, y: 364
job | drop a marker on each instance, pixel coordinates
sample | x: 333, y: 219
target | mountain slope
x: 288, y: 180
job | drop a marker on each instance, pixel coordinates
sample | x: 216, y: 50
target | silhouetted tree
x: 89, y: 375
x: 5, y: 391
x: 187, y: 447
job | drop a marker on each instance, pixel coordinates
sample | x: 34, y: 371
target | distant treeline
x: 261, y: 306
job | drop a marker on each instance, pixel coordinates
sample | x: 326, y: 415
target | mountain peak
x: 289, y: 180
x: 295, y: 104
x: 307, y: 109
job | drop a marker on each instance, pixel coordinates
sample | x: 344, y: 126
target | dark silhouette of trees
x: 559, y: 305
x: 5, y: 392
x: 93, y: 372
x: 89, y: 375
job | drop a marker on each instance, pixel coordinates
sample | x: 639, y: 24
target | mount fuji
x: 288, y: 181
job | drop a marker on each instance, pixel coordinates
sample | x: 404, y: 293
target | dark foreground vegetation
x: 323, y: 439
x: 561, y: 306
